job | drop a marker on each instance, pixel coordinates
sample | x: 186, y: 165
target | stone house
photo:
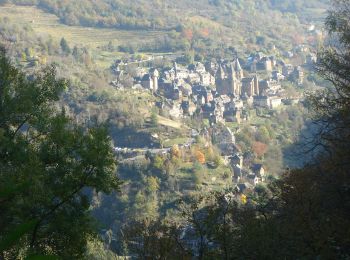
x: 169, y: 89
x: 208, y: 110
x: 185, y: 106
x: 262, y: 101
x: 298, y: 75
x: 180, y: 72
x: 236, y: 159
x: 206, y: 79
x: 232, y: 115
x: 277, y: 76
x: 237, y: 173
x: 275, y: 102
x: 253, y: 179
x: 150, y: 80
x: 186, y: 89
x: 259, y: 171
x: 264, y: 63
x: 199, y: 67
x: 193, y: 78
x: 287, y: 69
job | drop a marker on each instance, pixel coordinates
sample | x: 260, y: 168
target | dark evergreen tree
x: 64, y: 46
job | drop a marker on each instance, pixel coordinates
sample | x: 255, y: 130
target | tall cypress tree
x: 64, y: 46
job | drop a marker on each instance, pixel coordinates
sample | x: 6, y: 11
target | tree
x: 200, y: 157
x: 47, y: 165
x: 259, y: 148
x: 96, y: 250
x: 331, y: 106
x: 75, y: 53
x: 154, y: 119
x: 263, y: 134
x: 152, y: 184
x: 64, y: 46
x: 158, y: 163
x: 175, y: 151
x: 155, y: 240
x: 305, y: 213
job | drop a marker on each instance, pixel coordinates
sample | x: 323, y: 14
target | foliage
x: 207, y: 28
x: 140, y: 14
x: 302, y: 215
x: 65, y: 47
x: 175, y: 151
x: 152, y: 184
x: 200, y: 157
x: 96, y: 251
x: 154, y: 239
x: 50, y: 161
x: 154, y: 120
x: 259, y: 149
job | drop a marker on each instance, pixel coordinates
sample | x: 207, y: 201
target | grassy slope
x: 48, y: 24
x: 230, y: 23
x: 45, y: 24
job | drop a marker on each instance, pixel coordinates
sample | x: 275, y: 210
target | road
x: 135, y: 153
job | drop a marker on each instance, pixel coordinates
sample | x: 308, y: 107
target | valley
x: 199, y: 98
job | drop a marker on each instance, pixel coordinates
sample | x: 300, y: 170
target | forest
x: 156, y: 14
x: 191, y: 27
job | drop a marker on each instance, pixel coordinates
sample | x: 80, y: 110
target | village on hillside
x: 221, y: 91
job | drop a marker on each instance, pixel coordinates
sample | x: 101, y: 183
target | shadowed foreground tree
x: 154, y: 240
x: 46, y: 165
x: 332, y: 106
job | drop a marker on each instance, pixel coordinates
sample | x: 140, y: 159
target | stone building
x: 264, y: 64
x: 262, y: 101
x: 250, y: 86
x: 226, y: 80
x: 169, y: 89
x: 238, y: 70
x: 287, y: 69
x: 298, y: 75
x: 150, y: 80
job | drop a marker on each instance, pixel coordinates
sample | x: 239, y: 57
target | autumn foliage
x: 259, y: 148
x: 175, y: 151
x: 204, y: 32
x: 200, y: 157
x: 188, y: 34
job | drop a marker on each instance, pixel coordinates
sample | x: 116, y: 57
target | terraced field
x: 49, y: 24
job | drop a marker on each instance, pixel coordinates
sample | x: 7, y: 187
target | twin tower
x: 230, y: 80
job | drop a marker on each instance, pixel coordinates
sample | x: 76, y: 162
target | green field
x: 49, y: 24
x: 45, y: 24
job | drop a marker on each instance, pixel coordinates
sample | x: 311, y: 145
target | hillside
x: 207, y: 111
x: 160, y: 14
x: 200, y: 24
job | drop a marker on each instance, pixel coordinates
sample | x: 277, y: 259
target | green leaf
x: 42, y: 257
x: 14, y: 236
x: 12, y: 190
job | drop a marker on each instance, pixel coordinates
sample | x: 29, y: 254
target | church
x: 228, y: 79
